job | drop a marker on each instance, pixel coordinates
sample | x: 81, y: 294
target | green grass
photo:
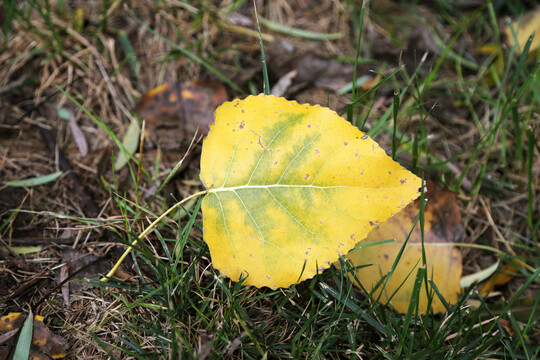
x: 200, y: 314
x: 180, y: 307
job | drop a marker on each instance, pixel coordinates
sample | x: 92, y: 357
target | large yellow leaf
x: 442, y: 228
x: 291, y: 187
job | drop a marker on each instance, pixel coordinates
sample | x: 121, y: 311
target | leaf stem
x: 111, y: 273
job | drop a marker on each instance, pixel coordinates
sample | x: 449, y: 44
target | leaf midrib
x: 242, y: 187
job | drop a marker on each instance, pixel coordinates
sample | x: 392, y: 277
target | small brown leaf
x: 83, y: 266
x: 174, y: 111
x: 45, y: 344
x: 11, y: 321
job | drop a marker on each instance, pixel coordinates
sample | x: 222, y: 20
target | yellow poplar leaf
x: 442, y: 228
x: 290, y: 188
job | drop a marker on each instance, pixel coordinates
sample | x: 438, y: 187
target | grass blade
x: 305, y: 34
x: 131, y: 57
x: 35, y: 181
x: 22, y: 351
x: 130, y: 143
x: 266, y: 88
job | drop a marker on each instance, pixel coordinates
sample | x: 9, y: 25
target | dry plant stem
x: 145, y: 232
x: 496, y: 251
x: 495, y: 228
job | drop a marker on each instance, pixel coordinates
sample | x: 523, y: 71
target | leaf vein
x: 290, y: 214
x: 338, y: 209
x: 323, y: 165
x: 240, y: 187
x: 316, y: 137
x: 230, y: 163
x: 262, y: 154
x: 227, y: 230
x: 260, y: 232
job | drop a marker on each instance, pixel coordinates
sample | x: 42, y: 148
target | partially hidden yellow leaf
x: 497, y: 66
x: 444, y: 264
x: 291, y: 188
x: 520, y: 30
x: 501, y: 277
x: 489, y: 49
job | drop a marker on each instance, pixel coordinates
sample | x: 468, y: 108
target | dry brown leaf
x: 45, y: 343
x: 174, y: 111
x: 82, y: 267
